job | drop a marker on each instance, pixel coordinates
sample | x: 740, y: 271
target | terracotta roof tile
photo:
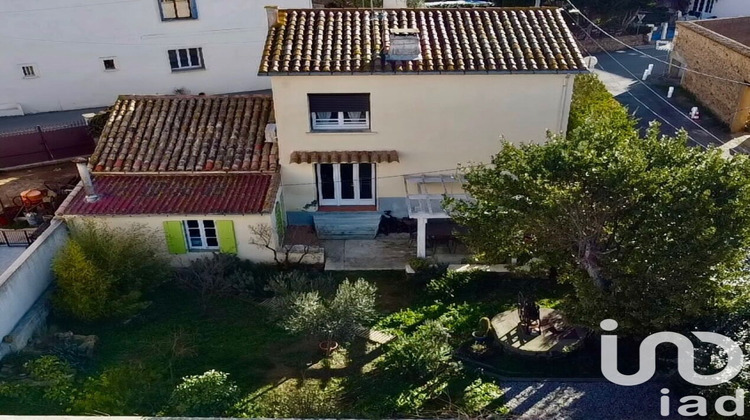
x: 356, y: 156
x: 179, y: 194
x: 187, y: 134
x: 465, y: 40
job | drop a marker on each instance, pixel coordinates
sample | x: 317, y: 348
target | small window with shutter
x: 340, y: 111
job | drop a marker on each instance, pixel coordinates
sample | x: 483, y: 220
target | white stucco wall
x: 434, y: 122
x: 26, y: 279
x: 731, y: 8
x: 66, y: 40
x: 156, y: 224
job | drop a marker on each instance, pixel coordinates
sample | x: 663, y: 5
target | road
x: 620, y: 71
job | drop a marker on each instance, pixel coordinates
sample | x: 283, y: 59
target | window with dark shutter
x: 340, y: 111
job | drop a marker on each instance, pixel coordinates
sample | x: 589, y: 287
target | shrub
x: 591, y: 100
x: 425, y: 270
x: 424, y: 354
x: 211, y: 394
x: 120, y: 390
x: 225, y: 275
x: 52, y: 381
x: 333, y: 318
x: 482, y: 398
x: 295, y: 398
x: 451, y: 284
x: 103, y: 272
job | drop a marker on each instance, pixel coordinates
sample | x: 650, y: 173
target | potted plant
x: 332, y: 319
x: 482, y: 335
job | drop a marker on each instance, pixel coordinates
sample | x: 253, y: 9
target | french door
x: 344, y: 184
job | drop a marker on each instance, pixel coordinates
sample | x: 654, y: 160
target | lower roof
x: 245, y: 193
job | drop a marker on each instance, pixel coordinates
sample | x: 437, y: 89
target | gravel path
x: 583, y: 400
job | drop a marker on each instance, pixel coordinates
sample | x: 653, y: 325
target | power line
x: 378, y: 177
x: 638, y: 80
x: 649, y: 55
x: 656, y: 114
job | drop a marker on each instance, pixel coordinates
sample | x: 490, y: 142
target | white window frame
x: 339, y: 121
x: 34, y: 73
x: 173, y: 4
x: 338, y: 200
x: 204, y: 239
x: 189, y: 65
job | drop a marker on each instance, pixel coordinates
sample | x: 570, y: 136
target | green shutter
x: 227, y: 241
x: 175, y: 237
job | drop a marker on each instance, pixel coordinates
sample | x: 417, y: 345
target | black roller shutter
x: 337, y: 102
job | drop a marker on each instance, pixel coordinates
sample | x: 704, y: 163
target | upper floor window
x: 178, y: 9
x: 340, y: 111
x: 186, y: 59
x: 28, y: 71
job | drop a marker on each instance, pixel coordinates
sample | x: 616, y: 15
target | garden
x: 225, y: 336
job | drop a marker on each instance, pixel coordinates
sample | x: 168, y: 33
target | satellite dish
x: 590, y: 61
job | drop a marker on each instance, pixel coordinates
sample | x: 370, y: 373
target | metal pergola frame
x: 424, y: 205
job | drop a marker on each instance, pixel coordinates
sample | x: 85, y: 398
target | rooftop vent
x: 271, y: 133
x: 404, y: 45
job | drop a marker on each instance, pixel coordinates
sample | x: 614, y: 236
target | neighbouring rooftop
x: 187, y: 134
x: 230, y: 193
x: 470, y: 40
x: 733, y: 33
x: 737, y: 29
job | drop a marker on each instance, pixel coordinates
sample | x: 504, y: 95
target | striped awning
x: 355, y: 156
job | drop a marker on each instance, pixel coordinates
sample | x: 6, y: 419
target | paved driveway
x: 598, y: 400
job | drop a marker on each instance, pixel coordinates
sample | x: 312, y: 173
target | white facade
x: 52, y: 54
x: 720, y: 8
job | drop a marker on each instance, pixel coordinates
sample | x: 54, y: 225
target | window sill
x: 188, y: 69
x: 198, y: 251
x: 347, y: 132
x: 178, y: 19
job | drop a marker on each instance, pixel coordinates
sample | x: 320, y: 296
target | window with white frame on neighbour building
x: 340, y: 111
x: 201, y: 235
x: 178, y: 9
x: 186, y: 59
x: 28, y: 71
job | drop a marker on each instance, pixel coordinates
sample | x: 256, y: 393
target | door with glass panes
x: 344, y: 184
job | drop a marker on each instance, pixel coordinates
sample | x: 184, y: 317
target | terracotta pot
x: 326, y: 349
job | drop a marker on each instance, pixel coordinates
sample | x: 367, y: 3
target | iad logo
x: 690, y: 405
x: 685, y: 357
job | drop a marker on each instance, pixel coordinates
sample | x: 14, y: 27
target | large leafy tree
x: 649, y: 232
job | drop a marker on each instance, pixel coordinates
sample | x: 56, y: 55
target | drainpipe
x: 88, y: 185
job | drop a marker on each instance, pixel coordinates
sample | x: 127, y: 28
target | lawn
x: 138, y: 363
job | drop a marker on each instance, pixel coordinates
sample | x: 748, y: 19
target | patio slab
x: 390, y: 252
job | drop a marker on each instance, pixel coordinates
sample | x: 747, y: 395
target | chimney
x: 88, y: 185
x: 272, y: 13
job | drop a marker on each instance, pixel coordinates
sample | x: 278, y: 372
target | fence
x: 42, y: 144
x: 17, y: 237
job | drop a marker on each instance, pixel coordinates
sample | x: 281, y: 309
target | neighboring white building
x: 719, y: 8
x: 71, y: 54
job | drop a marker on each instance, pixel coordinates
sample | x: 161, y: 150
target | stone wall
x: 708, y: 52
x: 588, y: 46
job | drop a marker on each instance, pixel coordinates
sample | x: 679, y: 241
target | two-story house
x: 375, y: 109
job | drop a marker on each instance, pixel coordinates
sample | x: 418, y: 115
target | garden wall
x: 608, y: 44
x: 28, y: 277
